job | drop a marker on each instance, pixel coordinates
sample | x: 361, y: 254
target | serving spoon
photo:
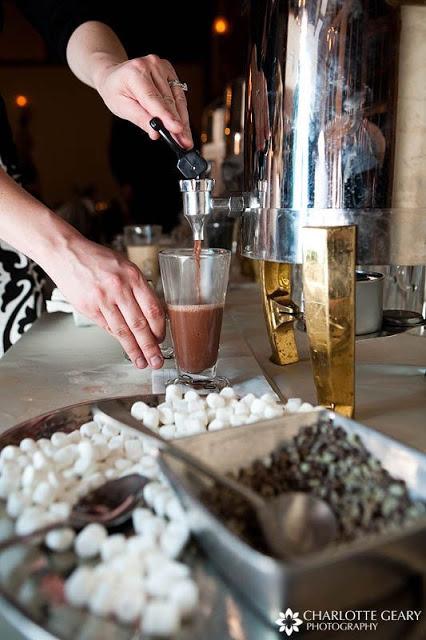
x: 292, y: 524
x: 111, y: 504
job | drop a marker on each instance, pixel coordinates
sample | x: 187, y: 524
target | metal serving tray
x: 343, y: 576
x: 28, y: 572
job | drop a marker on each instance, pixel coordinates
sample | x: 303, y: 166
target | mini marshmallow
x: 109, y: 430
x: 160, y: 500
x: 16, y: 504
x: 148, y: 467
x: 194, y: 426
x: 224, y: 414
x: 122, y: 463
x: 85, y: 459
x: 151, y: 418
x: 272, y: 411
x: 129, y: 605
x: 257, y: 407
x: 60, y: 510
x: 237, y: 421
x: 241, y: 409
x: 215, y: 401
x: 65, y: 456
x: 89, y: 429
x: 180, y: 405
x: 185, y: 596
x: 160, y: 618
x: 7, y: 486
x: 46, y: 447
x: 191, y: 395
x: 228, y: 393
x: 173, y: 392
x: 31, y: 519
x: 133, y: 449
x: 28, y: 445
x: 43, y: 494
x: 157, y: 585
x: 248, y: 399
x: 22, y: 461
x: 139, y: 516
x: 174, y: 510
x: 166, y: 414
x: 305, y: 407
x: 269, y: 398
x: 112, y: 546
x: 251, y: 419
x: 10, y: 452
x: 149, y: 492
x: 79, y: 586
x: 180, y: 421
x: 111, y: 474
x: 116, y: 443
x: 40, y: 461
x: 60, y: 539
x: 168, y: 431
x: 102, y: 598
x: 74, y: 437
x: 194, y: 406
x: 152, y: 527
x: 88, y: 542
x: 216, y: 425
x: 138, y: 410
x: 202, y: 416
x: 293, y: 405
x: 174, y: 538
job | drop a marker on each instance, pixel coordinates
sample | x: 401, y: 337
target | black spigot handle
x: 190, y: 163
x: 159, y: 127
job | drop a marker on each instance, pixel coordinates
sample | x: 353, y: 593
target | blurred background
x: 75, y: 156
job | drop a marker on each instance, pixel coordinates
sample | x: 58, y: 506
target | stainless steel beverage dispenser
x: 335, y: 171
x: 335, y: 137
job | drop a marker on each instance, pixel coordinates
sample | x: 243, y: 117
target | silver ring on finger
x: 177, y: 83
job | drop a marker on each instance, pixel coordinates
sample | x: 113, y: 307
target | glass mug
x: 194, y: 292
x: 142, y: 245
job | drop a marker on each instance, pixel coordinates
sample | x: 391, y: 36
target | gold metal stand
x: 329, y: 295
x: 280, y: 311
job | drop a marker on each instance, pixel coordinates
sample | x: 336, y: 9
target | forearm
x: 92, y: 49
x: 29, y: 226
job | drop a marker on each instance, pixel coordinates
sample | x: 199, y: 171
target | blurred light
x: 227, y: 131
x: 21, y: 101
x: 101, y: 206
x: 220, y: 25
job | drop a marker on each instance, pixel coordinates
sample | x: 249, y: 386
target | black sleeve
x: 56, y: 20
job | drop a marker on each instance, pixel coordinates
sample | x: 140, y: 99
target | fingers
x: 152, y: 310
x: 128, y: 324
x: 150, y: 98
x: 185, y: 138
x: 118, y: 327
x: 132, y: 111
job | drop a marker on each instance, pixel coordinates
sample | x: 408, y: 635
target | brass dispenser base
x: 280, y: 311
x: 329, y: 295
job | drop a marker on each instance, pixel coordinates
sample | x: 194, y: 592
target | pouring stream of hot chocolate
x: 197, y: 257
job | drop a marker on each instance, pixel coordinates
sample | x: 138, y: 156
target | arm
x: 136, y: 90
x: 99, y: 283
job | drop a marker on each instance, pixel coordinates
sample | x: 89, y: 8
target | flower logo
x: 289, y: 622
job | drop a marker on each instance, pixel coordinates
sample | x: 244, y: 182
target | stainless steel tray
x: 27, y: 571
x: 344, y: 576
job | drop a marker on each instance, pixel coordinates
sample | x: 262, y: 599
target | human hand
x: 107, y: 288
x: 138, y: 90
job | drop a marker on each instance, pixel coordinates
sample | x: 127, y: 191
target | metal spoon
x: 110, y: 504
x: 292, y: 524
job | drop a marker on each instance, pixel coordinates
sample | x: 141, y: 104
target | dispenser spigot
x: 197, y: 203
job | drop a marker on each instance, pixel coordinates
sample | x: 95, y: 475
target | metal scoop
x: 110, y: 505
x: 292, y: 524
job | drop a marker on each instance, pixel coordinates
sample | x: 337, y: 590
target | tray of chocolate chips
x: 375, y: 486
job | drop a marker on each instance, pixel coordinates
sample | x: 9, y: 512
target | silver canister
x: 369, y: 302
